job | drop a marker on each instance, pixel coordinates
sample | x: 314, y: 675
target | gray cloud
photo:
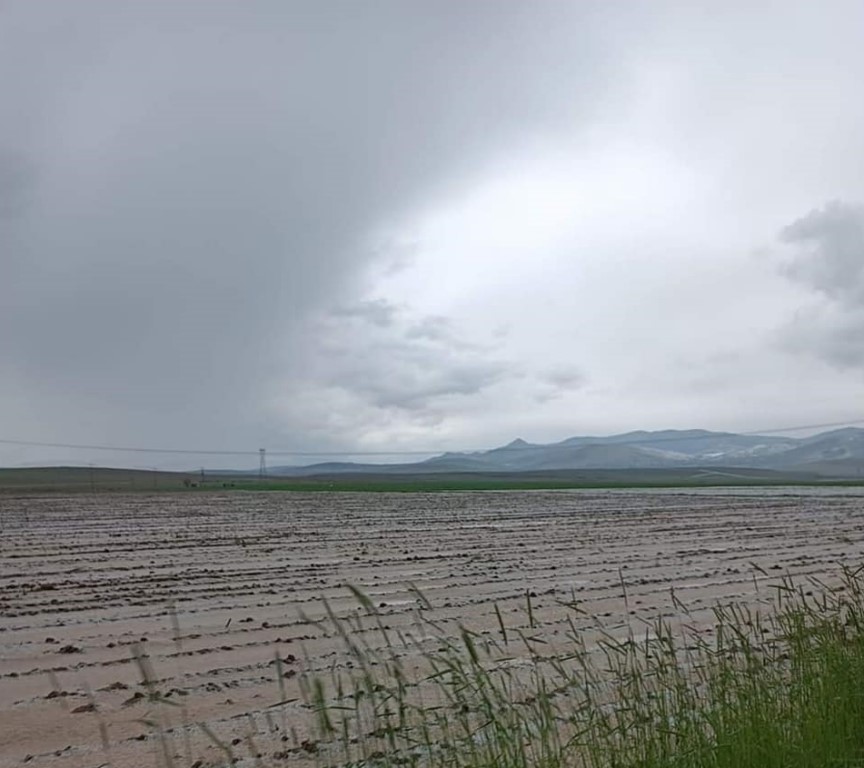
x: 830, y: 252
x: 188, y: 188
x: 828, y: 258
x: 396, y: 256
x: 557, y: 382
x: 376, y: 311
x: 417, y: 379
x: 378, y: 385
x: 836, y: 337
x: 434, y: 328
x: 409, y: 363
x: 16, y: 181
x: 565, y: 378
x: 209, y: 176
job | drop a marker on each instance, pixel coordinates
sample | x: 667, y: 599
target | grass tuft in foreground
x: 778, y: 686
x: 783, y: 687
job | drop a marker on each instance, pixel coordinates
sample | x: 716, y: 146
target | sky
x: 408, y: 227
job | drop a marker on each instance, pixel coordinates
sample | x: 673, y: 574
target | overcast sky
x: 410, y: 226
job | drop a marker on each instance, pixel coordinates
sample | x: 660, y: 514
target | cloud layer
x: 308, y: 226
x: 828, y: 245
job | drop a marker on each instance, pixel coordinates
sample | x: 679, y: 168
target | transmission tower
x: 262, y: 463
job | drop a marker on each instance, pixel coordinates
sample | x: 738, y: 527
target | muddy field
x: 88, y: 582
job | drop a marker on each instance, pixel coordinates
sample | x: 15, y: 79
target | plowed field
x: 86, y: 582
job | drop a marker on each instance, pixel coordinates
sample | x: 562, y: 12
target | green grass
x: 783, y: 688
x: 90, y: 480
x: 105, y: 480
x: 437, y: 485
x: 546, y: 480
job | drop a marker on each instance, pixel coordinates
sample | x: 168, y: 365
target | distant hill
x: 841, y: 446
x: 839, y: 454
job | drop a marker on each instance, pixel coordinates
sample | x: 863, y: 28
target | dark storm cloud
x: 16, y: 181
x: 837, y: 339
x: 828, y: 259
x: 564, y: 378
x: 830, y: 242
x: 297, y: 223
x: 207, y: 174
x: 398, y: 360
x: 416, y: 378
x: 375, y: 311
x: 433, y: 327
x: 558, y: 382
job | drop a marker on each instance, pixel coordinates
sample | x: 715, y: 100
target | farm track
x: 84, y: 580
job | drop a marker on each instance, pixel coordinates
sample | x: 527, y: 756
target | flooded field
x: 207, y: 589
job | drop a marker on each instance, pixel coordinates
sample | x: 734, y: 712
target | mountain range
x: 838, y: 453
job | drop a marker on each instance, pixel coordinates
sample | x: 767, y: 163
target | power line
x: 802, y: 428
x: 430, y: 452
x: 208, y: 452
x: 124, y: 449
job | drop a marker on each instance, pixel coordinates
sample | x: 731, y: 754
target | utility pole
x: 262, y: 463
